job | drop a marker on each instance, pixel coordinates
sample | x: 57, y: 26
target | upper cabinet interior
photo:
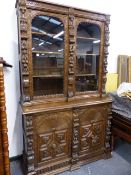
x: 87, y: 57
x: 47, y: 55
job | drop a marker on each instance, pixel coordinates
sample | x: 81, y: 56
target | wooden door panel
x: 52, y: 136
x: 92, y: 129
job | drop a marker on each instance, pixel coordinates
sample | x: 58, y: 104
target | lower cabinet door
x: 52, y: 141
x: 60, y: 140
x: 92, y: 132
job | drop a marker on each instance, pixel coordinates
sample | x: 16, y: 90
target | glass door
x: 88, y: 57
x: 47, y: 56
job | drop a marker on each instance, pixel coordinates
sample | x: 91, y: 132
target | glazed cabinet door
x: 44, y: 55
x: 48, y: 35
x: 89, y: 56
x: 51, y: 137
x: 93, y: 122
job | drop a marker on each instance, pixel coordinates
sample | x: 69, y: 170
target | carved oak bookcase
x: 63, y: 59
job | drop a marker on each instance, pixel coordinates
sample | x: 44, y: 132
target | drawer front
x: 92, y: 131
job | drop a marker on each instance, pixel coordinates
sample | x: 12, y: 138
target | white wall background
x: 120, y: 43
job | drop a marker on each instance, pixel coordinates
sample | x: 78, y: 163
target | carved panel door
x: 52, y: 139
x: 92, y: 131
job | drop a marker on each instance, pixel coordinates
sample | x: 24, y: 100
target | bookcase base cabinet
x: 63, y: 139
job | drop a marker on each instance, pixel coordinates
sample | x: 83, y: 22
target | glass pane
x: 48, y: 57
x: 87, y: 61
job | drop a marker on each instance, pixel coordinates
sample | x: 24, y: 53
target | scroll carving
x: 106, y: 44
x: 29, y: 145
x: 75, y: 141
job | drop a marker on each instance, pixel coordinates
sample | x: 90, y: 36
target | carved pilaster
x: 3, y: 126
x: 24, y: 49
x: 106, y: 44
x: 72, y: 48
x: 75, y: 141
x: 108, y: 133
x: 29, y: 145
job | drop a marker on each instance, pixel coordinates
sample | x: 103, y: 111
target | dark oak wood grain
x: 63, y: 132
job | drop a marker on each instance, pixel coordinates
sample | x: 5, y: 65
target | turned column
x: 4, y: 153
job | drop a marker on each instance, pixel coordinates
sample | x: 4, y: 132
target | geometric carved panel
x: 53, y: 145
x: 91, y: 135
